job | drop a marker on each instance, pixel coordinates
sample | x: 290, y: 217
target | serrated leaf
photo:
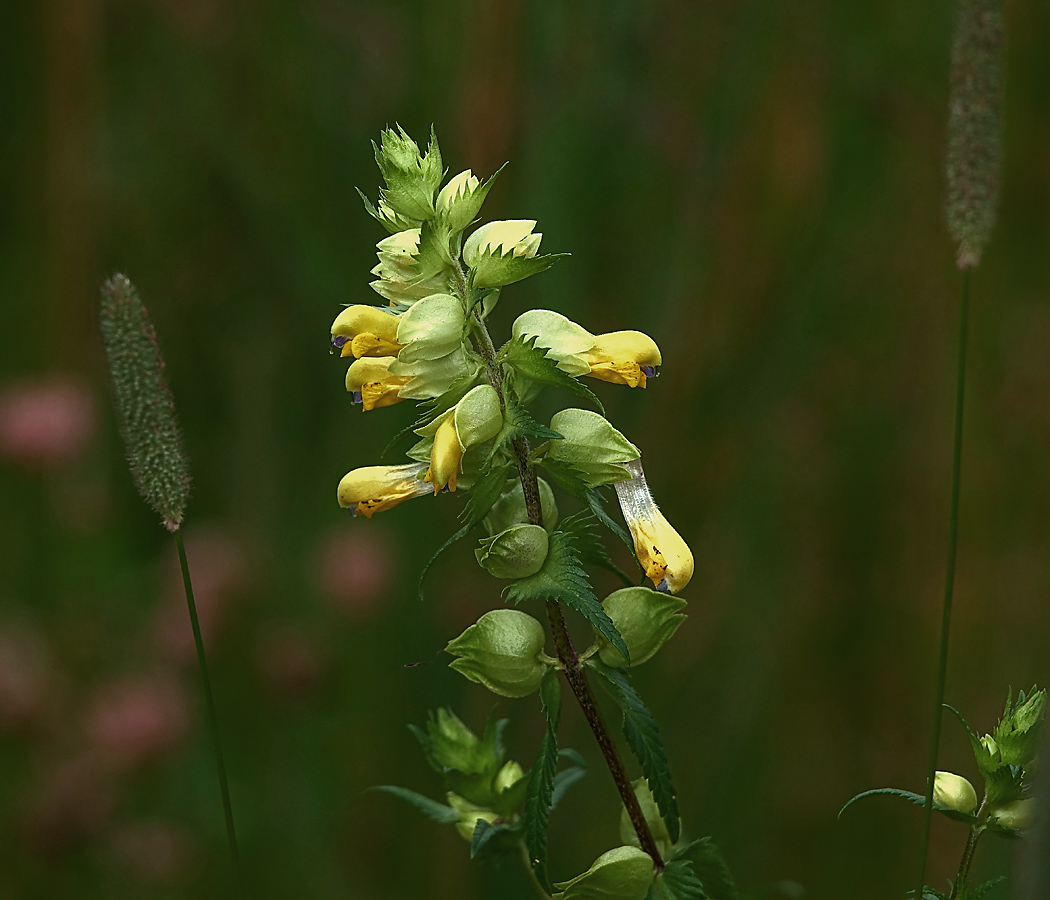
x: 917, y: 799
x: 984, y: 888
x: 525, y: 358
x: 539, y: 799
x: 583, y: 527
x: 485, y: 832
x: 439, y: 812
x: 518, y: 423
x: 677, y: 882
x: 929, y: 893
x: 496, y: 269
x: 483, y: 495
x: 571, y: 480
x: 562, y: 578
x: 643, y: 737
x: 712, y: 871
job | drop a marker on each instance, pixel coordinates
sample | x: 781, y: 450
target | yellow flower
x: 365, y: 331
x: 472, y: 421
x: 374, y: 488
x: 619, y: 357
x: 666, y: 558
x: 372, y: 385
x: 623, y: 357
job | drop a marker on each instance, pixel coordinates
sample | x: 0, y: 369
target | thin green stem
x: 968, y: 851
x: 540, y: 890
x: 213, y: 721
x: 949, y: 578
x: 570, y: 662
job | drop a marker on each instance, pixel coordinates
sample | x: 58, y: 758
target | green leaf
x: 446, y: 815
x: 677, y: 882
x: 929, y: 893
x: 485, y: 832
x: 563, y: 579
x: 583, y: 527
x: 539, y: 799
x: 643, y: 737
x: 712, y: 871
x: 564, y: 780
x: 983, y: 889
x: 518, y: 423
x: 483, y: 495
x: 917, y: 799
x: 525, y: 358
x: 493, y: 269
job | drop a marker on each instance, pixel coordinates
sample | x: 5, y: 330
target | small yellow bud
x: 1017, y: 815
x: 955, y: 792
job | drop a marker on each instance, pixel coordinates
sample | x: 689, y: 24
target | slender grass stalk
x: 949, y: 578
x: 213, y: 722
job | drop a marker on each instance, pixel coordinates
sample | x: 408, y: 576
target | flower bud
x: 508, y: 776
x: 469, y: 815
x: 502, y: 652
x: 592, y: 445
x: 371, y: 489
x: 1017, y: 815
x: 398, y: 276
x: 517, y: 552
x: 621, y: 874
x: 459, y: 201
x: 494, y: 252
x: 411, y: 179
x: 510, y: 508
x: 452, y: 746
x: 645, y: 618
x: 955, y: 792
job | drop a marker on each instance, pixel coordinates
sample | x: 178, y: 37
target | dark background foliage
x: 758, y: 185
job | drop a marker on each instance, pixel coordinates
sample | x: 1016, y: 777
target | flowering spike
x: 973, y: 127
x: 145, y: 408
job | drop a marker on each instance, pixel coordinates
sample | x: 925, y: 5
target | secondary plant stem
x: 949, y: 578
x: 213, y: 721
x: 967, y: 858
x: 567, y: 655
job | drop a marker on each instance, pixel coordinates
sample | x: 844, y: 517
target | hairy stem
x: 949, y: 578
x: 571, y: 666
x: 967, y: 858
x: 213, y: 721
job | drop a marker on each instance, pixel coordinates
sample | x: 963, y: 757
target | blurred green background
x: 757, y: 185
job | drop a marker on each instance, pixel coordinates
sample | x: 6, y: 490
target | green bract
x: 562, y: 338
x: 657, y: 826
x: 621, y: 874
x: 592, y: 446
x: 430, y: 329
x: 645, y: 618
x: 516, y: 552
x: 502, y: 652
x: 510, y: 508
x: 411, y: 179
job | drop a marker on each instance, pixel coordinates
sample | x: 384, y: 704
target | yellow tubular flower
x: 623, y: 357
x: 375, y: 488
x: 666, y: 558
x: 365, y: 331
x: 372, y: 385
x: 445, y: 457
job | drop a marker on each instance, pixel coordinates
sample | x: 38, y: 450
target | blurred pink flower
x: 219, y: 571
x: 354, y: 568
x: 72, y: 803
x: 45, y: 423
x: 135, y: 720
x: 153, y: 850
x: 25, y: 675
x: 291, y: 663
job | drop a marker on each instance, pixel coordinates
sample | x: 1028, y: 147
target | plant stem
x: 949, y: 578
x: 567, y: 655
x: 213, y: 721
x: 541, y: 892
x: 967, y: 858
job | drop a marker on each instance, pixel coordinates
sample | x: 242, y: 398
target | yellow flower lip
x: 372, y: 489
x: 665, y: 556
x: 445, y: 457
x: 623, y: 357
x: 372, y: 385
x: 365, y: 331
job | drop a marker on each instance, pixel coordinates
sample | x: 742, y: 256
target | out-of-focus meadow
x: 757, y: 185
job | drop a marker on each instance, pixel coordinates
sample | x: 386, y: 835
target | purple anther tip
x: 357, y: 397
x: 337, y: 342
x: 650, y: 371
x: 663, y: 587
x: 352, y: 510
